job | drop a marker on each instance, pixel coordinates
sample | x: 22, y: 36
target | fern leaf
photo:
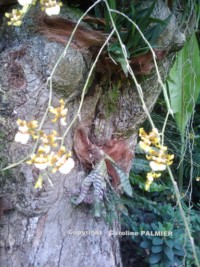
x: 96, y: 177
x: 85, y: 187
x: 101, y: 167
x: 98, y: 187
x: 140, y: 181
x: 140, y: 165
x: 97, y: 209
x: 124, y: 179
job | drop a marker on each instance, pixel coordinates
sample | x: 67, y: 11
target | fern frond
x: 140, y: 165
x: 87, y: 182
x: 95, y: 178
x: 124, y: 179
x: 99, y: 187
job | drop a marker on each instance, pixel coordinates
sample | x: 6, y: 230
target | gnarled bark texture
x: 38, y: 227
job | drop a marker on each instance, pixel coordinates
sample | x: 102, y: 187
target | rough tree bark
x: 35, y: 224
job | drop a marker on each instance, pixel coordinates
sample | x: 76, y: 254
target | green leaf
x: 124, y: 179
x: 169, y: 242
x: 145, y: 244
x: 144, y: 20
x: 169, y: 253
x: 167, y: 263
x: 115, y: 48
x: 112, y: 5
x: 132, y: 29
x: 156, y: 249
x: 184, y: 83
x: 158, y: 29
x: 155, y: 187
x: 178, y: 246
x: 140, y: 165
x: 177, y: 261
x: 155, y: 258
x: 179, y: 252
x: 154, y: 227
x: 156, y: 20
x: 157, y: 241
x: 123, y: 63
x: 136, y: 179
x: 150, y: 237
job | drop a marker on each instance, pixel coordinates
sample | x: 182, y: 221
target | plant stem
x: 180, y: 172
x: 85, y: 87
x: 49, y: 81
x: 178, y: 197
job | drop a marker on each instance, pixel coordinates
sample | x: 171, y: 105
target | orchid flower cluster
x: 155, y: 153
x: 51, y: 7
x: 49, y: 156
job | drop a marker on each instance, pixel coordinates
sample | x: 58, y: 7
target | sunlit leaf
x: 184, y: 83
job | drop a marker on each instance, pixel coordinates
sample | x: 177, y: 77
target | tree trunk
x: 41, y: 227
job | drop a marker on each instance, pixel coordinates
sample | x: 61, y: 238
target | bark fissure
x: 38, y: 237
x: 61, y: 250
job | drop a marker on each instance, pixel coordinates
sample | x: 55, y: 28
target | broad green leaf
x: 177, y: 261
x: 154, y: 227
x: 179, y: 252
x: 169, y: 253
x: 150, y: 237
x: 155, y: 258
x: 178, y: 246
x: 184, y: 83
x: 169, y: 242
x: 157, y: 241
x: 167, y: 263
x: 145, y: 244
x: 156, y: 249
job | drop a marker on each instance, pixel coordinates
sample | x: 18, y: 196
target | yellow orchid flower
x: 51, y: 7
x: 49, y: 139
x: 62, y: 161
x: 25, y: 2
x: 59, y: 112
x: 144, y: 146
x: 15, y: 17
x: 41, y: 160
x: 150, y: 179
x: 39, y: 182
x: 151, y: 138
x: 25, y: 129
x: 155, y: 153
